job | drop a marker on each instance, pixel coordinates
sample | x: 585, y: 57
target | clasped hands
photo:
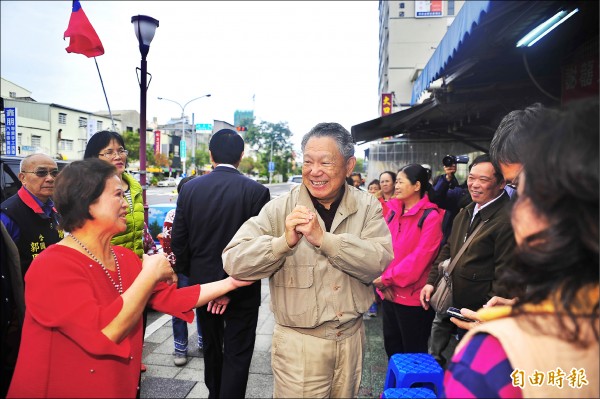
x: 302, y: 222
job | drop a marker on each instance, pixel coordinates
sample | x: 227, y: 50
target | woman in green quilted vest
x: 110, y: 147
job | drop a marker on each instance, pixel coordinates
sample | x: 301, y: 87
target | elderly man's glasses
x: 111, y: 153
x: 44, y: 172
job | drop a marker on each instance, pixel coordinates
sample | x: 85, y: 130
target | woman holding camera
x: 82, y: 334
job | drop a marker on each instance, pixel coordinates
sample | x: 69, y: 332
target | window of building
x: 12, y: 94
x: 401, y: 14
x: 62, y: 118
x: 129, y: 128
x: 82, y: 122
x: 450, y: 7
x: 65, y: 145
x: 19, y: 139
x: 99, y: 125
x: 36, y: 141
x: 401, y: 5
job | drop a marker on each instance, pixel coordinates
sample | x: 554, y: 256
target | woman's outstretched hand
x: 160, y: 267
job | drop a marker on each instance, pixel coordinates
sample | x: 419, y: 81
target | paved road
x: 164, y: 380
x: 161, y: 195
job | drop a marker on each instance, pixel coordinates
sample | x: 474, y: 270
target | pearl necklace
x: 119, y: 286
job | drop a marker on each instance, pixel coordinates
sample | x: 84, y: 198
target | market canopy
x: 484, y: 75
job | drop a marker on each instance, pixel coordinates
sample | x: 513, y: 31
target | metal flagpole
x: 104, y: 91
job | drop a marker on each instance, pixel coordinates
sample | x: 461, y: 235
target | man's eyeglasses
x: 111, y: 153
x: 44, y: 172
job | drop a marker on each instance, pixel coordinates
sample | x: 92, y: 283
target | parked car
x: 168, y: 182
x: 278, y: 189
x: 9, y: 179
x: 295, y: 179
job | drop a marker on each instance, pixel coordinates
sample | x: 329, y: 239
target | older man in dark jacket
x: 475, y: 274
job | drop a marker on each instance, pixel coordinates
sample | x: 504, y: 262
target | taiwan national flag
x: 84, y: 39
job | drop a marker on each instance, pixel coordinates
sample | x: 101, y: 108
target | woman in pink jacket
x: 416, y: 227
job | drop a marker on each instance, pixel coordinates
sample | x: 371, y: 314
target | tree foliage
x: 161, y: 160
x: 132, y: 143
x: 249, y: 166
x: 271, y: 139
x: 360, y: 166
x: 202, y: 157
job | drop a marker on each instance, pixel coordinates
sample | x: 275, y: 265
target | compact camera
x: 450, y: 160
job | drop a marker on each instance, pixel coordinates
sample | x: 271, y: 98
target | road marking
x: 152, y: 328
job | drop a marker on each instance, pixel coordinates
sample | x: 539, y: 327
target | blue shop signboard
x: 10, y: 118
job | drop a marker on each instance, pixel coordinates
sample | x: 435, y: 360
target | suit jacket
x: 210, y: 210
x: 474, y: 279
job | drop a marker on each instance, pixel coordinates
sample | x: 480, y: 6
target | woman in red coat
x: 82, y: 335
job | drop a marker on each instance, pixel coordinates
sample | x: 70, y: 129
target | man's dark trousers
x: 210, y: 210
x: 229, y: 349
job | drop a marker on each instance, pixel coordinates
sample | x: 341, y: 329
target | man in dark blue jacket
x: 210, y: 210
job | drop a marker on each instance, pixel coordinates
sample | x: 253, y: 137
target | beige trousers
x: 309, y: 367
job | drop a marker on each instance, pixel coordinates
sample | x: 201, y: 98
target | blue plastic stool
x: 408, y: 393
x: 406, y: 369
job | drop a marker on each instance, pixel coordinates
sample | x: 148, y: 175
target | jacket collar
x: 228, y: 169
x: 491, y: 209
x: 347, y: 207
x: 34, y: 203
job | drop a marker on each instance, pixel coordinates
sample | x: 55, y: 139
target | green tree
x: 132, y: 143
x: 268, y: 139
x: 202, y: 157
x: 248, y: 166
x: 359, y: 167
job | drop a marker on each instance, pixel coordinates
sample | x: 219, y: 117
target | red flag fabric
x: 83, y: 38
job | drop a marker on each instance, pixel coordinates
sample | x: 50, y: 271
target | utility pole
x: 183, y: 122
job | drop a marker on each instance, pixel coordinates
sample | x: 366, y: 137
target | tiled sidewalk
x: 164, y: 380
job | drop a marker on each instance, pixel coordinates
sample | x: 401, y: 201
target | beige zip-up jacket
x: 319, y: 291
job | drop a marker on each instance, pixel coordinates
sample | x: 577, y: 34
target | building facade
x: 409, y: 32
x: 53, y: 129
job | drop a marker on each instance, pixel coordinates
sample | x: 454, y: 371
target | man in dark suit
x: 210, y: 209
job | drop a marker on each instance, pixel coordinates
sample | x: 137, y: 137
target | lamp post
x: 183, y: 124
x: 144, y: 28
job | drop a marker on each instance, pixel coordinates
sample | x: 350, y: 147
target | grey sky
x: 306, y: 62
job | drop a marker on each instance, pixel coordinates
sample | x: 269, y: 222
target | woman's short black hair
x: 562, y: 184
x: 100, y: 140
x: 417, y: 173
x: 77, y: 187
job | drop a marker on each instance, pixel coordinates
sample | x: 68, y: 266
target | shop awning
x: 463, y: 24
x: 484, y: 75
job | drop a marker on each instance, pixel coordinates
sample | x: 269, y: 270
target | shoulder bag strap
x: 464, y: 247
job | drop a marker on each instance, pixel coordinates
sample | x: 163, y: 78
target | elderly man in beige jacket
x: 321, y: 245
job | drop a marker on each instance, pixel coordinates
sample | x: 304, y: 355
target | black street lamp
x: 144, y: 28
